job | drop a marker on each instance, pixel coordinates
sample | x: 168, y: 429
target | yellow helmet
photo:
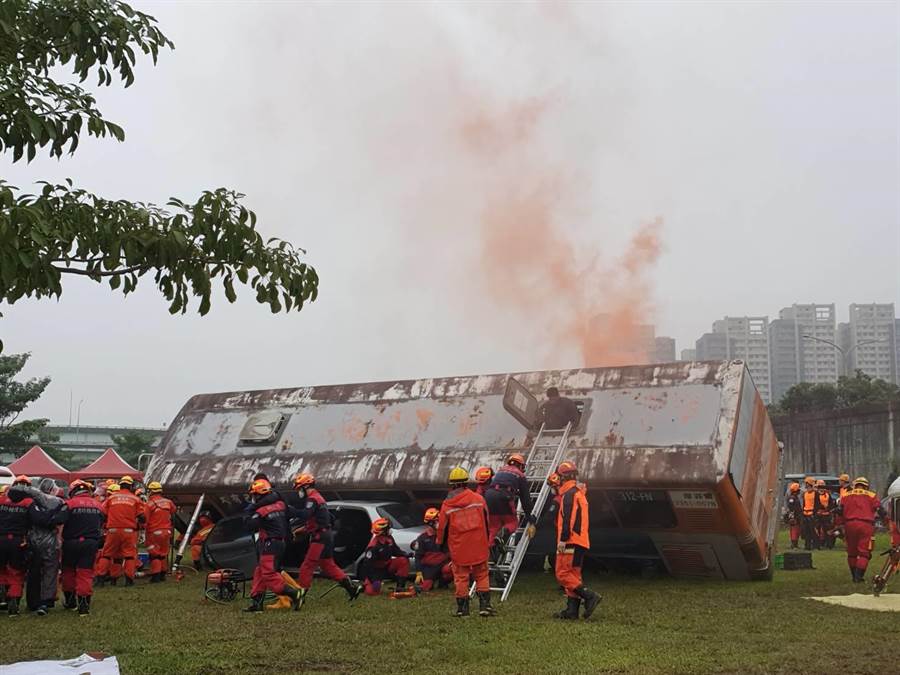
x: 861, y: 480
x: 113, y: 488
x: 459, y: 475
x: 155, y: 486
x: 126, y: 480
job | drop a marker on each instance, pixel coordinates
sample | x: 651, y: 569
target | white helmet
x: 893, y: 495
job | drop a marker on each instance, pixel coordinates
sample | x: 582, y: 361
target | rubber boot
x: 281, y: 602
x: 256, y: 604
x: 162, y: 577
x: 70, y: 600
x: 860, y: 576
x: 101, y: 580
x: 462, y: 607
x: 353, y: 590
x: 41, y: 610
x: 154, y: 578
x: 484, y: 604
x: 571, y: 610
x: 12, y: 606
x: 591, y: 600
x: 84, y: 605
x: 2, y: 596
x: 297, y: 595
x: 128, y: 581
x: 197, y: 565
x: 112, y: 581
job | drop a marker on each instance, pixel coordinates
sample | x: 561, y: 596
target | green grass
x: 656, y: 626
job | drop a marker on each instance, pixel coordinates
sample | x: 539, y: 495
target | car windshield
x: 402, y: 515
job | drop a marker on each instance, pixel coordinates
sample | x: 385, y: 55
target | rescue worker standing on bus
x: 80, y: 537
x: 160, y: 512
x: 124, y: 513
x: 14, y: 524
x: 268, y: 518
x: 573, y: 543
x: 825, y: 506
x: 384, y: 560
x: 508, y: 485
x: 794, y: 513
x: 319, y: 526
x: 432, y: 561
x: 463, y: 529
x: 860, y: 508
x: 808, y: 525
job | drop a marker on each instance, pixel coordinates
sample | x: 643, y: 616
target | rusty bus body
x: 681, y: 460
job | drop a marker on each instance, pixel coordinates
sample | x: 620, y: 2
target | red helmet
x: 304, y: 480
x: 517, y: 459
x: 566, y: 468
x: 260, y: 487
x: 795, y: 487
x: 79, y: 485
x: 22, y: 480
x: 431, y: 516
x: 381, y: 526
x: 484, y: 475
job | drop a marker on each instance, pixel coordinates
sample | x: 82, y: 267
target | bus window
x: 642, y: 508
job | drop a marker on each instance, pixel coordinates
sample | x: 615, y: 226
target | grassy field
x: 656, y: 626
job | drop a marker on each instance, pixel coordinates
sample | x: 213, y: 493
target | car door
x: 232, y: 545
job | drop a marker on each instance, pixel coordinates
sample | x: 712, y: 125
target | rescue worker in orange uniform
x: 268, y: 518
x: 81, y: 538
x: 431, y: 559
x: 825, y: 506
x: 160, y: 512
x: 14, y: 524
x: 794, y: 513
x: 508, y: 485
x: 319, y: 525
x: 573, y: 542
x: 483, y: 478
x: 860, y: 507
x: 204, y: 526
x: 124, y: 513
x: 463, y: 529
x: 384, y: 559
x: 808, y: 525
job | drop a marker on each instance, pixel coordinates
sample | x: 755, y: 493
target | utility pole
x: 845, y: 353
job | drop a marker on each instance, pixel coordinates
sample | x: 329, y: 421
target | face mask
x: 301, y: 493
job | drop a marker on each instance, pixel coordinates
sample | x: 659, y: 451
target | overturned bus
x: 680, y: 459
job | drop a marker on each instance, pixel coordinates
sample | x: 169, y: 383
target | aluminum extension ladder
x: 545, y: 455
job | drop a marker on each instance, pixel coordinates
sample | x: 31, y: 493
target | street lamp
x: 78, y: 420
x: 845, y: 353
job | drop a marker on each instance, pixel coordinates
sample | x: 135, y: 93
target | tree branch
x: 102, y: 273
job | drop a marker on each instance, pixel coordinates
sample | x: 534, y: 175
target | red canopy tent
x: 36, y: 462
x: 108, y: 465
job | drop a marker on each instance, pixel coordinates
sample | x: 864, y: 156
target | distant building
x: 95, y: 440
x: 688, y: 354
x: 712, y: 347
x: 784, y: 356
x: 747, y: 338
x: 664, y: 350
x: 815, y: 335
x: 869, y: 341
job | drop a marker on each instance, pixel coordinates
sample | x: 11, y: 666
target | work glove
x: 419, y: 579
x: 531, y: 530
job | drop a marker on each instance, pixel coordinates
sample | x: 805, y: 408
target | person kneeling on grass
x: 572, y: 543
x: 384, y: 560
x: 463, y: 528
x: 431, y: 559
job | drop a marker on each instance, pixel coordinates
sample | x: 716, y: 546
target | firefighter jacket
x: 269, y: 518
x: 123, y: 510
x: 511, y: 482
x: 794, y: 507
x: 428, y: 552
x: 463, y: 527
x: 159, y: 513
x: 201, y: 531
x: 314, y: 513
x: 824, y: 504
x: 572, y: 521
x: 14, y: 518
x: 84, y: 519
x: 381, y: 549
x: 861, y: 505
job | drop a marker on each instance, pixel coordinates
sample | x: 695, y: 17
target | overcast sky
x: 763, y: 135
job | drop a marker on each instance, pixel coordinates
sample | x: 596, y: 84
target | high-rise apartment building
x: 712, y: 347
x: 747, y: 338
x: 664, y: 350
x: 783, y: 356
x: 869, y: 341
x: 815, y: 341
x: 689, y: 355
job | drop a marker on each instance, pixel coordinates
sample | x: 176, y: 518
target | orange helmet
x: 79, y: 485
x: 260, y: 487
x: 566, y: 468
x: 484, y: 475
x: 304, y: 480
x: 795, y: 487
x: 820, y: 483
x: 431, y: 515
x: 809, y: 480
x: 381, y: 526
x: 553, y: 480
x: 517, y: 459
x: 844, y: 478
x: 22, y: 480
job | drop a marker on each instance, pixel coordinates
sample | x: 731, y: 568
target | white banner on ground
x: 83, y: 665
